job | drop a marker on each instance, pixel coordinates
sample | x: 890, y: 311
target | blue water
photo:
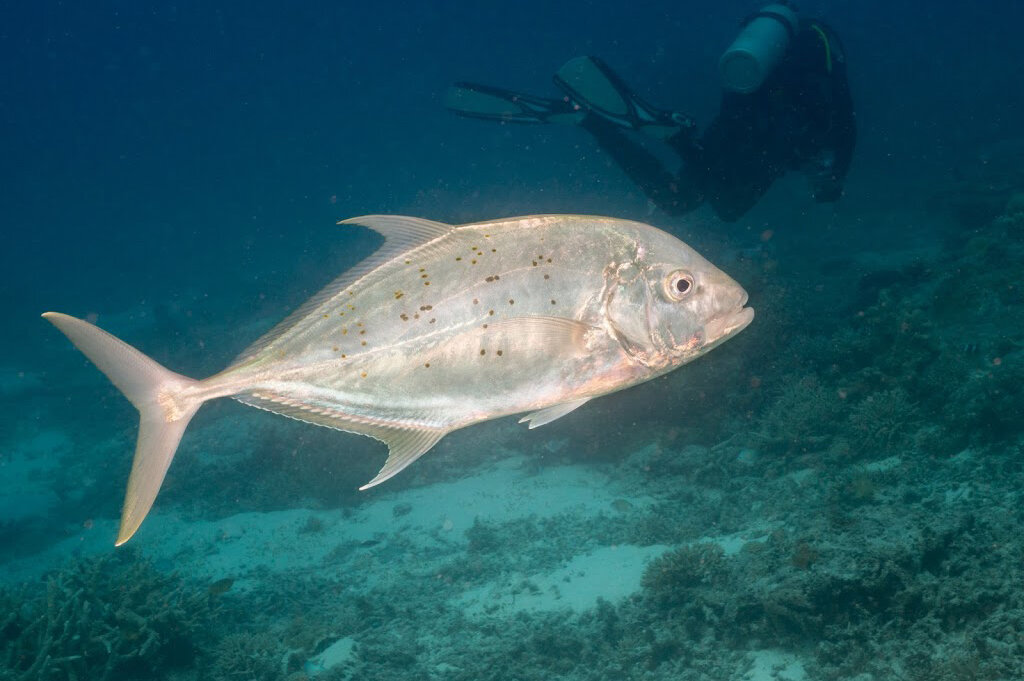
x: 834, y: 494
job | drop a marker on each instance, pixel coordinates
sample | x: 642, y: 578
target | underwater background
x: 834, y: 494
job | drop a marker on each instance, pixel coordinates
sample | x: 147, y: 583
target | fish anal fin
x: 543, y: 417
x: 404, y: 447
x: 406, y: 442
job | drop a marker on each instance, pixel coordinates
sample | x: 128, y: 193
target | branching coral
x: 803, y: 417
x: 669, y: 577
x: 883, y: 421
x: 254, y: 657
x: 113, y: 617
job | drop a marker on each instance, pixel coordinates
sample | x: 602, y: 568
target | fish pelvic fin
x: 543, y: 417
x: 165, y: 408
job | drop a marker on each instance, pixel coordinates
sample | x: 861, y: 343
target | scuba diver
x: 785, y: 106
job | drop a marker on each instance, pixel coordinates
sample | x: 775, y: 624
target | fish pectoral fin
x: 546, y: 416
x: 404, y: 447
x: 551, y: 335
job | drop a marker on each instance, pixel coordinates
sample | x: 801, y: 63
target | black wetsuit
x: 801, y: 118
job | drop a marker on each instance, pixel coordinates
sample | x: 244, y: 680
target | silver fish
x: 443, y: 327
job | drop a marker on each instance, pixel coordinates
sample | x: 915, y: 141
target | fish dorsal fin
x: 401, y: 234
x: 406, y: 443
x: 543, y: 417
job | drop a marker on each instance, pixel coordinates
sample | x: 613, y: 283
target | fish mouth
x: 728, y: 325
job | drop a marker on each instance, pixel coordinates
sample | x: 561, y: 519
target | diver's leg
x: 485, y: 102
x: 594, y: 87
x: 672, y: 195
x: 737, y: 160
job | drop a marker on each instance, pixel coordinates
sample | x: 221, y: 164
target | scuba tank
x: 758, y: 48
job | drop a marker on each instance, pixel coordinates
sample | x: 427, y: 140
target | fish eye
x: 678, y: 285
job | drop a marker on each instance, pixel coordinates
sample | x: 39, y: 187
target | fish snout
x: 733, y: 315
x: 727, y: 325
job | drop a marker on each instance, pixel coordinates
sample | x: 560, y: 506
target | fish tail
x: 166, y: 402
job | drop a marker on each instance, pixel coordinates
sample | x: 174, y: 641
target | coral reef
x: 109, y: 618
x: 850, y: 495
x: 883, y: 422
x: 252, y: 656
x: 669, y: 578
x: 802, y: 418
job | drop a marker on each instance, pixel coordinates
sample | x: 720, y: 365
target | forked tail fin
x: 166, y: 402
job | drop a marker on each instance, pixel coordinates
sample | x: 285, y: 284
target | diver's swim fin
x: 591, y: 84
x: 494, y: 104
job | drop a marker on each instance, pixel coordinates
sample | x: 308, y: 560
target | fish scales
x: 443, y: 327
x: 457, y: 280
x: 388, y: 331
